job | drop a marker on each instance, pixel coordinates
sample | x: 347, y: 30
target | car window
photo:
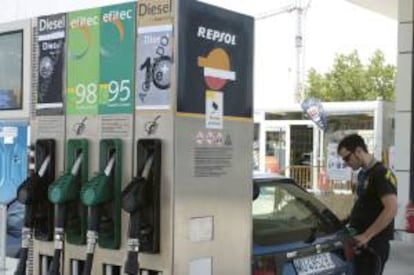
x: 278, y: 203
x: 285, y: 213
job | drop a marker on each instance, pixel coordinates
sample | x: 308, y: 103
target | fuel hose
x: 61, y: 192
x: 93, y: 194
x: 134, y: 199
x: 30, y: 193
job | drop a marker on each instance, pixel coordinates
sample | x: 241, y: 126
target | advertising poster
x: 83, y: 56
x: 154, y: 61
x: 13, y: 158
x: 314, y: 110
x: 154, y: 54
x: 117, y: 37
x: 336, y: 168
x: 51, y: 40
x: 215, y: 64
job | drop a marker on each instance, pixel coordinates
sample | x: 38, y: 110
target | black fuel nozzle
x: 30, y: 193
x: 135, y: 197
x: 33, y: 189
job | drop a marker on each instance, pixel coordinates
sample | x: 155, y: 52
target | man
x: 372, y: 215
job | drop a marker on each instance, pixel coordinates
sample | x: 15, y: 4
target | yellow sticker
x: 390, y: 176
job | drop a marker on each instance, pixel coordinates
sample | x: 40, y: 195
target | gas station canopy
x: 388, y: 8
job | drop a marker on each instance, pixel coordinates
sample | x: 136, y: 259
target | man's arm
x: 384, y: 218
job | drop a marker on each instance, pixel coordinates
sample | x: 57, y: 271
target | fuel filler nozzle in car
x: 30, y: 193
x: 94, y: 193
x: 63, y: 190
x: 135, y: 198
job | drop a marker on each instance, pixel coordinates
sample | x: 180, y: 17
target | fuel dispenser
x: 70, y: 215
x: 101, y: 196
x: 141, y: 200
x: 33, y: 194
x: 183, y: 78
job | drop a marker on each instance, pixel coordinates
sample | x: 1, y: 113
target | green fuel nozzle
x: 64, y: 189
x: 351, y: 231
x: 97, y: 190
x: 60, y: 192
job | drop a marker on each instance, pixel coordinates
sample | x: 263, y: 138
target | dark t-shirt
x: 379, y: 181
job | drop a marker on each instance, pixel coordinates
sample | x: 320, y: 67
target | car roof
x: 271, y: 177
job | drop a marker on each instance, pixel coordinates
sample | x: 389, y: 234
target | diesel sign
x: 154, y: 12
x: 47, y: 24
x: 153, y: 9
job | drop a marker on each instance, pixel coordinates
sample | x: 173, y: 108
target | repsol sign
x: 216, y: 35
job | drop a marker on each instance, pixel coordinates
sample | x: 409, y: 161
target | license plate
x: 313, y: 264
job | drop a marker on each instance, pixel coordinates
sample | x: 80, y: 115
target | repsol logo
x: 153, y: 9
x: 216, y: 35
x: 46, y: 24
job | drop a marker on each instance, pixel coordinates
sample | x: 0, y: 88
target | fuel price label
x: 116, y: 96
x: 82, y: 99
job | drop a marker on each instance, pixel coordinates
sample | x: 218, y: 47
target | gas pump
x: 64, y: 194
x: 141, y: 199
x: 33, y: 194
x: 182, y: 75
x: 101, y: 195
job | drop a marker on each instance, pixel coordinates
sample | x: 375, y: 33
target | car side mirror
x: 256, y: 190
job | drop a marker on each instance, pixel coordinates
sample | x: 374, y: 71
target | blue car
x: 15, y: 216
x: 294, y: 233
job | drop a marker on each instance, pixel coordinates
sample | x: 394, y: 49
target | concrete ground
x: 401, y: 260
x: 11, y: 264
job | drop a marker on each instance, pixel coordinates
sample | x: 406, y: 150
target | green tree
x: 350, y: 80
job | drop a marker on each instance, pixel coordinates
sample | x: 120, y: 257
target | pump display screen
x: 11, y: 68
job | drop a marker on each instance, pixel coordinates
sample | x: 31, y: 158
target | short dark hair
x: 351, y: 142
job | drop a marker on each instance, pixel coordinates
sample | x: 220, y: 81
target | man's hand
x: 361, y: 240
